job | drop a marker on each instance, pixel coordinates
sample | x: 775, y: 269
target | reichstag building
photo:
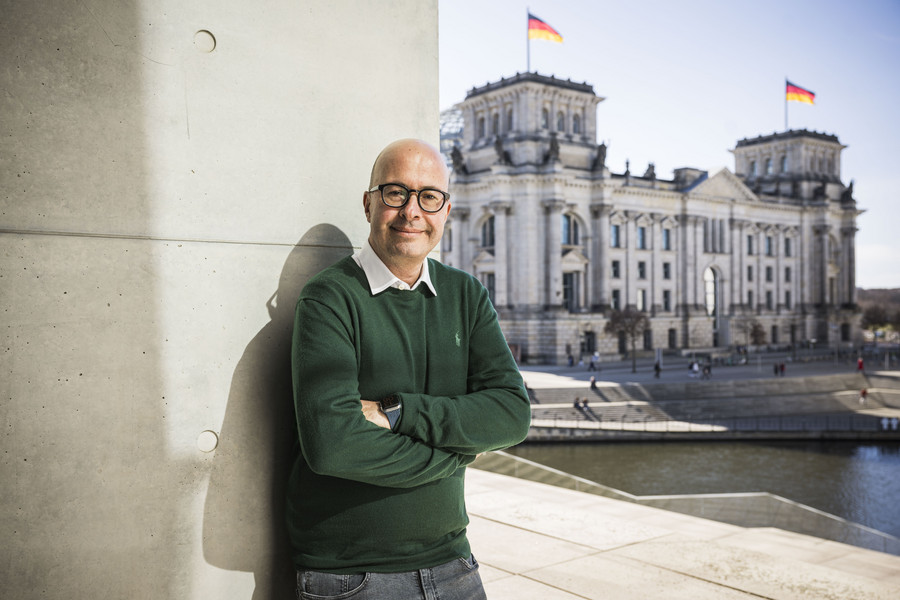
x: 559, y: 240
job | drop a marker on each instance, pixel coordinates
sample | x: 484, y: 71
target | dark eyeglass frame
x: 409, y: 193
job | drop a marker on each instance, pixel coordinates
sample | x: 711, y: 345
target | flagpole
x: 785, y: 105
x: 527, y: 41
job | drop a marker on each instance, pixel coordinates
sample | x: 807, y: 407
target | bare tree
x: 631, y: 323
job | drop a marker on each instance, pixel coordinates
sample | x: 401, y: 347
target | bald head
x: 413, y: 151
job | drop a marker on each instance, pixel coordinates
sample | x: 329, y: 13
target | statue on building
x: 459, y: 163
x: 552, y: 154
x: 599, y: 160
x: 503, y: 157
x: 650, y: 173
x: 819, y: 192
x: 847, y: 194
x: 627, y: 172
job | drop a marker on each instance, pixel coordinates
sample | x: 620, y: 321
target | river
x: 858, y: 481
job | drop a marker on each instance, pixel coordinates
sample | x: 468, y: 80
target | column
x: 553, y: 280
x: 598, y: 284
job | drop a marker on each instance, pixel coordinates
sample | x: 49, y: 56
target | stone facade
x: 559, y: 240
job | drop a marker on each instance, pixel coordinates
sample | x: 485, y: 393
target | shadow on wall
x: 243, y: 525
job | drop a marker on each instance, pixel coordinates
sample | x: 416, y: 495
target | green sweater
x: 364, y: 498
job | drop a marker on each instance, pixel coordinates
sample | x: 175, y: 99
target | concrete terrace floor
x: 540, y: 542
x: 537, y: 541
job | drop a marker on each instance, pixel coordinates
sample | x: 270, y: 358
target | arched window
x: 710, y: 287
x: 509, y: 119
x: 560, y: 121
x: 487, y: 233
x: 495, y: 123
x: 783, y: 163
x: 569, y: 231
x: 545, y: 118
x: 480, y: 126
x: 752, y: 168
x: 576, y: 124
x: 768, y: 166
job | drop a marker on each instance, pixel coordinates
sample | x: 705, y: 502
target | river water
x: 857, y: 481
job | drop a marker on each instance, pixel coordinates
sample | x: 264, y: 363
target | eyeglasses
x: 396, y: 195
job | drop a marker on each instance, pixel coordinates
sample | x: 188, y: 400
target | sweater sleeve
x: 495, y: 411
x: 335, y: 437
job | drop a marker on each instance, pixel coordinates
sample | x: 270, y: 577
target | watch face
x: 391, y: 401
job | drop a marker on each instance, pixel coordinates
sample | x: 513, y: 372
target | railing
x: 792, y: 423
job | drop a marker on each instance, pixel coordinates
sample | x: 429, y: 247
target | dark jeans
x: 455, y: 580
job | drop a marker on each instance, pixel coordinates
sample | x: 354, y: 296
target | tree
x: 753, y: 331
x: 630, y: 322
x: 875, y: 316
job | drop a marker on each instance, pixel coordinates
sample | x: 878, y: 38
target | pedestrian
x: 775, y: 368
x: 656, y: 370
x: 592, y: 366
x: 862, y: 396
x: 402, y: 377
x: 593, y: 382
x: 859, y: 364
x: 781, y: 368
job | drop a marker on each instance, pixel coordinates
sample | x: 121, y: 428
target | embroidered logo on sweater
x: 457, y: 339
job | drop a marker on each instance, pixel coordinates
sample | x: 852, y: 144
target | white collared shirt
x: 380, y: 277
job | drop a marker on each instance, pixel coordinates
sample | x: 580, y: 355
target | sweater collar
x: 380, y: 277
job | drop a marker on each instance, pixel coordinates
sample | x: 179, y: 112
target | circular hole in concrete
x: 207, y: 441
x: 204, y: 41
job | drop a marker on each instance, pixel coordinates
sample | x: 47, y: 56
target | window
x: 648, y: 339
x: 642, y: 270
x: 495, y: 123
x: 752, y: 168
x: 545, y: 118
x: 447, y: 240
x: 616, y: 270
x: 750, y: 245
x: 576, y: 124
x: 769, y: 274
x: 768, y: 300
x: 770, y: 246
x: 711, y: 292
x: 783, y: 163
x: 787, y: 274
x: 667, y: 239
x: 560, y: 121
x: 667, y: 300
x: 787, y: 300
x: 481, y: 127
x: 642, y: 300
x: 787, y: 247
x: 768, y: 166
x: 642, y: 238
x: 750, y: 298
x: 570, y: 291
x: 673, y: 339
x: 667, y: 270
x: 509, y: 119
x: 749, y: 273
x: 488, y: 280
x: 616, y: 300
x: 487, y: 233
x: 774, y: 334
x: 569, y: 230
x: 614, y: 240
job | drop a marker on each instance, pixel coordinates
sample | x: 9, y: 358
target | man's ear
x: 366, y: 199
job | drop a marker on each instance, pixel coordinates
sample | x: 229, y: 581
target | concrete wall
x: 171, y: 173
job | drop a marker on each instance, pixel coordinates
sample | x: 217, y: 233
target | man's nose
x: 412, y: 209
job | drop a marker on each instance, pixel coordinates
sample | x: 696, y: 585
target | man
x: 401, y: 378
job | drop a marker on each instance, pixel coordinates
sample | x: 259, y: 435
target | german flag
x: 538, y: 30
x: 798, y: 94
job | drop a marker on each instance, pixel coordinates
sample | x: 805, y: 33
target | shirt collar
x: 380, y: 277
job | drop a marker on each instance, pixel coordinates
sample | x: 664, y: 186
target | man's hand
x: 372, y: 411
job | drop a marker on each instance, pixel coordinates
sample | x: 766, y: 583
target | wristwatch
x: 390, y: 406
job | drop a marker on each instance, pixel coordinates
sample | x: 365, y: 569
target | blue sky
x: 684, y: 81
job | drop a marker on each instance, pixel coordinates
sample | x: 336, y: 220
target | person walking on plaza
x: 656, y: 369
x: 402, y: 377
x: 863, y: 395
x: 859, y: 365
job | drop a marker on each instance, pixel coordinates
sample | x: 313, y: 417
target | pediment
x: 574, y: 258
x: 724, y: 185
x: 484, y: 258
